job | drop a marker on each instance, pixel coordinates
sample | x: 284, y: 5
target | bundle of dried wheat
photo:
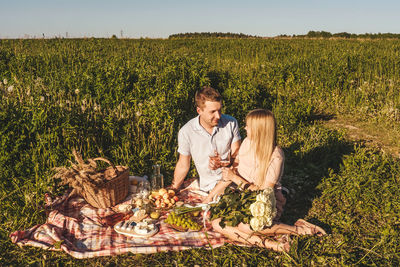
x: 81, y: 174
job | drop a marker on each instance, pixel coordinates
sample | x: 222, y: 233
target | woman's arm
x: 217, y: 190
x: 229, y: 175
x: 273, y: 173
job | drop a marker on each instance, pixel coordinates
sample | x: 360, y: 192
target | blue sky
x: 159, y: 19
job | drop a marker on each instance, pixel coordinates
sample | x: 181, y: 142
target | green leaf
x: 57, y: 245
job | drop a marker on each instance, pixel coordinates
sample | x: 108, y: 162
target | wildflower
x: 138, y: 113
x: 5, y: 81
x: 263, y: 210
x: 10, y: 89
x: 42, y: 98
x: 76, y: 91
x: 257, y: 209
x: 257, y: 223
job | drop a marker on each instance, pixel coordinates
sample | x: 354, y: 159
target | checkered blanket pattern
x: 75, y: 227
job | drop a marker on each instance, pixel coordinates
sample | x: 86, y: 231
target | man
x: 209, y: 134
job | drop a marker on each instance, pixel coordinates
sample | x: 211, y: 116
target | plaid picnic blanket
x: 76, y: 228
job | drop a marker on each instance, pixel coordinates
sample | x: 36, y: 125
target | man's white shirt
x: 195, y: 141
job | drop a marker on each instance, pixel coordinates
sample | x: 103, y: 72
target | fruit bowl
x: 163, y: 199
x: 181, y: 229
x: 182, y: 223
x: 177, y: 228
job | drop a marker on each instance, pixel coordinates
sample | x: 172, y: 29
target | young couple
x: 257, y: 164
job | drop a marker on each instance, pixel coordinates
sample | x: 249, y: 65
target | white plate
x: 133, y: 233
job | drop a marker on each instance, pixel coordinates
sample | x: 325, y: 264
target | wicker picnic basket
x: 100, y: 188
x: 113, y: 191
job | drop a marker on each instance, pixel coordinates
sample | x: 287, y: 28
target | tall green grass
x: 126, y: 100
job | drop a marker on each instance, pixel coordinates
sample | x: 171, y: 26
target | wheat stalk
x: 81, y: 174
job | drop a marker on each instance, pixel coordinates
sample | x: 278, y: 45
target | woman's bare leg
x: 301, y: 227
x: 275, y: 229
x: 250, y: 238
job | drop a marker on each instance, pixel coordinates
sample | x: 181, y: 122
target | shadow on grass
x: 304, y: 171
x: 318, y: 116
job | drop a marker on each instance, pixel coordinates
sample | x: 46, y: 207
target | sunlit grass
x: 126, y: 100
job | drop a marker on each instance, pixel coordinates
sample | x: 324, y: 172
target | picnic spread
x: 83, y: 231
x: 107, y: 212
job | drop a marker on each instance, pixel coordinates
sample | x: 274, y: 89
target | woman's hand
x: 207, y: 200
x: 228, y: 174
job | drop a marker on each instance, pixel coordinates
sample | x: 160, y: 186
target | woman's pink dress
x: 248, y: 165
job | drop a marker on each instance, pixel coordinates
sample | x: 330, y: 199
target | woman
x: 260, y: 165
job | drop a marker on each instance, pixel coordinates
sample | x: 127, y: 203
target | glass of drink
x: 226, y: 159
x: 215, y: 157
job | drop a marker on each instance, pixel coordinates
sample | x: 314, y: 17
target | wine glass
x: 214, y: 156
x: 226, y: 159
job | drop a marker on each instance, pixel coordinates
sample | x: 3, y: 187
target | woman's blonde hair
x: 262, y: 126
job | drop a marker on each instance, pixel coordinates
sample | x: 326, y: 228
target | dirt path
x: 375, y: 134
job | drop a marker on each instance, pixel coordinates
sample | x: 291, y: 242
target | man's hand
x: 173, y: 188
x: 214, y: 162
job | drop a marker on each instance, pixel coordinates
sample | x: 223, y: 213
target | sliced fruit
x: 196, y: 213
x: 162, y: 191
x: 155, y: 215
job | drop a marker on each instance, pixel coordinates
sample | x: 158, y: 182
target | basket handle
x: 109, y: 163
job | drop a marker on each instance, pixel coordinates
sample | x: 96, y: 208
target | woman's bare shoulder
x: 278, y: 153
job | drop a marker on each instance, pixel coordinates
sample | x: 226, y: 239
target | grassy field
x: 126, y: 100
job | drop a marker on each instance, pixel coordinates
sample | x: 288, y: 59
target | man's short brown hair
x: 206, y: 94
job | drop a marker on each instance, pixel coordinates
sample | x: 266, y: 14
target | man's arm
x: 181, y: 169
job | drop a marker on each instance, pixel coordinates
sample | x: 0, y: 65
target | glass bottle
x: 155, y: 185
x: 157, y: 179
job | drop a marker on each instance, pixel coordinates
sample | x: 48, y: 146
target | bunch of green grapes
x: 182, y: 220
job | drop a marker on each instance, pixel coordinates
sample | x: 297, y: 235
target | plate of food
x: 138, y: 215
x: 164, y: 199
x: 146, y: 228
x: 182, y: 222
